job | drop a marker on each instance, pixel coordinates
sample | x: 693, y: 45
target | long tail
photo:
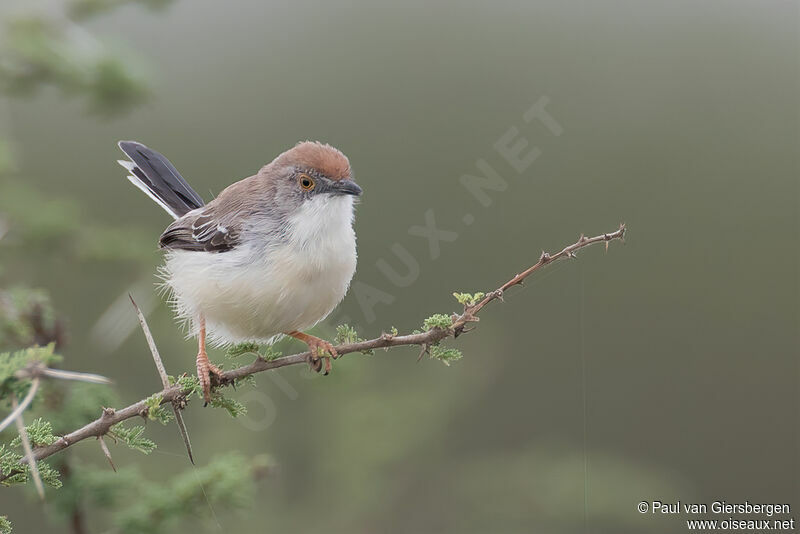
x: 157, y: 177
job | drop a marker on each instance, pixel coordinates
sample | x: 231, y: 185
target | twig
x: 26, y: 447
x: 22, y: 405
x: 162, y: 373
x: 173, y: 393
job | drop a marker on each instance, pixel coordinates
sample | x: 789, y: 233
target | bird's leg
x: 319, y: 348
x: 204, y: 366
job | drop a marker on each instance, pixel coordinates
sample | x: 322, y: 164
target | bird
x: 272, y: 255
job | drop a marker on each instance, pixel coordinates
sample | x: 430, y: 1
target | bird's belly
x: 246, y: 295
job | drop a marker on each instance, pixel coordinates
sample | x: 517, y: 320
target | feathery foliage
x: 265, y: 352
x: 468, y: 299
x: 437, y: 320
x: 133, y: 438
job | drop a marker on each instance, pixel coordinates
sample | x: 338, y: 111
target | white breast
x: 268, y: 287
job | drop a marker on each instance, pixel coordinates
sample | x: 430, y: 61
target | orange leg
x: 204, y: 366
x: 319, y: 349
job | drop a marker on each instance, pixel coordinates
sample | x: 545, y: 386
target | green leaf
x: 156, y: 411
x: 233, y: 407
x: 445, y: 355
x: 264, y: 352
x: 468, y: 299
x: 133, y: 438
x: 437, y: 320
x: 9, y: 463
x: 40, y: 433
x: 346, y: 334
x: 240, y: 349
x: 5, y: 525
x: 190, y: 385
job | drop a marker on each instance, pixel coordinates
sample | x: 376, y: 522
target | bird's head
x: 312, y: 174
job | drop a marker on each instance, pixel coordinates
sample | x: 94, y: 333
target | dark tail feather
x: 157, y: 177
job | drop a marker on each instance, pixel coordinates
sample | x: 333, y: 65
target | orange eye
x: 306, y: 182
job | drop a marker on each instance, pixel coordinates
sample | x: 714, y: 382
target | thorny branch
x: 177, y: 397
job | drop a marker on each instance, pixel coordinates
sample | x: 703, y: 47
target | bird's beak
x: 347, y: 187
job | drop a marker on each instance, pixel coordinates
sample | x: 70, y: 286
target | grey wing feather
x: 159, y: 179
x: 203, y: 231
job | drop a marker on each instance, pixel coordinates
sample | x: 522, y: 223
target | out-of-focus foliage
x: 27, y: 318
x: 84, y: 9
x: 47, y: 50
x: 228, y: 481
x: 11, y: 363
x: 6, y: 157
x: 135, y: 504
x: 59, y: 227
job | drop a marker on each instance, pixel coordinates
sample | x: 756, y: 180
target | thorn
x: 183, y: 431
x: 606, y: 246
x: 162, y: 372
x: 73, y: 375
x: 106, y: 452
x: 423, y: 351
x: 582, y: 238
x: 108, y: 412
x: 545, y: 257
x: 571, y: 254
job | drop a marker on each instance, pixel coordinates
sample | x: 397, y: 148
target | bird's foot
x: 319, y: 350
x: 204, y: 371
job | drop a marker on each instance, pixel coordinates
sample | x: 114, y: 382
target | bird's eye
x: 306, y: 182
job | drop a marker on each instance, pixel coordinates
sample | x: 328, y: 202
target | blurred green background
x: 663, y: 369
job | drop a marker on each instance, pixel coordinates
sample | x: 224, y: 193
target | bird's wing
x: 202, y: 230
x: 218, y: 226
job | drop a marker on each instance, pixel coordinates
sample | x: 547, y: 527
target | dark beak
x: 347, y: 187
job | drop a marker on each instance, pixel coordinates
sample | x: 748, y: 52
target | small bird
x: 272, y: 255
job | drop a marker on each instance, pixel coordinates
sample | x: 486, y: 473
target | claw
x: 204, y: 371
x: 319, y: 349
